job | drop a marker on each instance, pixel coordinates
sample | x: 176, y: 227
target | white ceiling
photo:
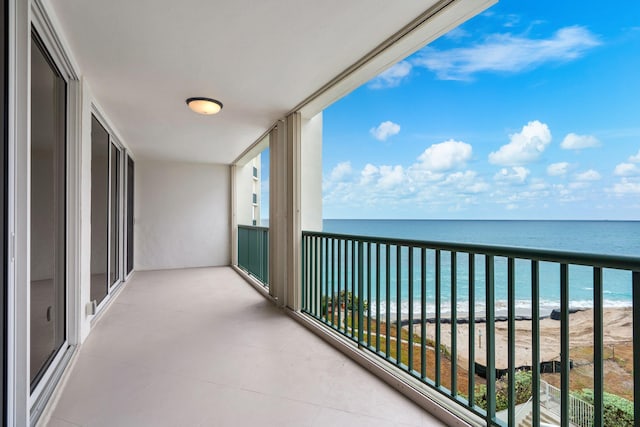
x: 261, y: 58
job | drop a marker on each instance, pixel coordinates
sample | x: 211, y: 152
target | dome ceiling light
x: 206, y: 106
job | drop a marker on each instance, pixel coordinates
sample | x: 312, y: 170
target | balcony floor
x: 201, y: 347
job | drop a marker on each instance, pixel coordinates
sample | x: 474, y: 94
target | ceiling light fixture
x: 204, y: 105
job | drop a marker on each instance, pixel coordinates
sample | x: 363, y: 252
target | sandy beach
x: 618, y: 329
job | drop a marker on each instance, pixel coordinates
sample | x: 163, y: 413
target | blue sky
x: 530, y: 110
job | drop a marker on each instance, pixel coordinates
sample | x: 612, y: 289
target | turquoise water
x: 599, y: 237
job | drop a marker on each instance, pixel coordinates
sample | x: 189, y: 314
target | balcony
x: 423, y: 308
x: 201, y: 347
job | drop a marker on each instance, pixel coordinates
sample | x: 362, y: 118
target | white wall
x: 181, y: 215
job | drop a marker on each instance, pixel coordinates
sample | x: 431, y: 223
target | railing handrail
x: 535, y: 254
x: 574, y: 402
x: 253, y: 227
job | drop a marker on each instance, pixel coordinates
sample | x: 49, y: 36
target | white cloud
x: 590, y: 175
x: 445, y: 156
x: 516, y: 174
x: 340, y: 171
x: 557, y: 169
x: 466, y: 182
x: 392, y: 77
x: 635, y: 158
x: 627, y: 186
x: 626, y: 169
x: 390, y: 176
x: 577, y: 142
x: 507, y: 53
x: 457, y: 34
x: 385, y: 130
x: 524, y: 146
x: 580, y: 185
x: 368, y: 174
x: 538, y: 184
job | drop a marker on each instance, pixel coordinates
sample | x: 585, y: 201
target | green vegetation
x: 617, y: 411
x: 523, y: 391
x: 344, y: 299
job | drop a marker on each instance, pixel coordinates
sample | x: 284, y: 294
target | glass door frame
x: 38, y: 21
x: 122, y: 155
x: 128, y: 240
x: 113, y: 143
x: 59, y: 354
x: 4, y: 51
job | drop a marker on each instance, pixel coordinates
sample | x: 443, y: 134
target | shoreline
x: 522, y: 311
x: 618, y: 329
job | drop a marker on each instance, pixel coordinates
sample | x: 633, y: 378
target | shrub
x: 617, y: 411
x: 522, y: 386
x: 343, y: 299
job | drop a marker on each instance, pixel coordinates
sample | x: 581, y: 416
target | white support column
x: 234, y: 214
x: 285, y: 230
x: 277, y: 214
x: 311, y: 173
x: 293, y: 141
x: 295, y: 201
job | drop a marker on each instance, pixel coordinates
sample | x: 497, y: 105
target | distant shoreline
x: 618, y: 329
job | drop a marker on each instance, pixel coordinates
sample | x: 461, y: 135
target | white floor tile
x: 201, y: 347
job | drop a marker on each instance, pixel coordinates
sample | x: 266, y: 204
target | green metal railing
x: 393, y: 297
x: 253, y: 252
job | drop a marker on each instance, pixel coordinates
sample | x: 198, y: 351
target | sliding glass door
x: 114, y: 216
x: 48, y: 210
x: 3, y: 211
x: 99, y: 210
x: 106, y: 212
x: 129, y: 215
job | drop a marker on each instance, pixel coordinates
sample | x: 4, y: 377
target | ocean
x: 597, y: 237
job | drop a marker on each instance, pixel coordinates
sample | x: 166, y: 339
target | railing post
x: 360, y: 294
x: 636, y: 345
x: 423, y: 312
x: 410, y: 300
x: 511, y: 339
x: 472, y: 328
x: 490, y: 339
x: 377, y: 297
x: 598, y: 347
x: 453, y: 324
x: 398, y: 304
x: 564, y: 345
x: 535, y: 340
x: 438, y: 313
x: 305, y: 281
